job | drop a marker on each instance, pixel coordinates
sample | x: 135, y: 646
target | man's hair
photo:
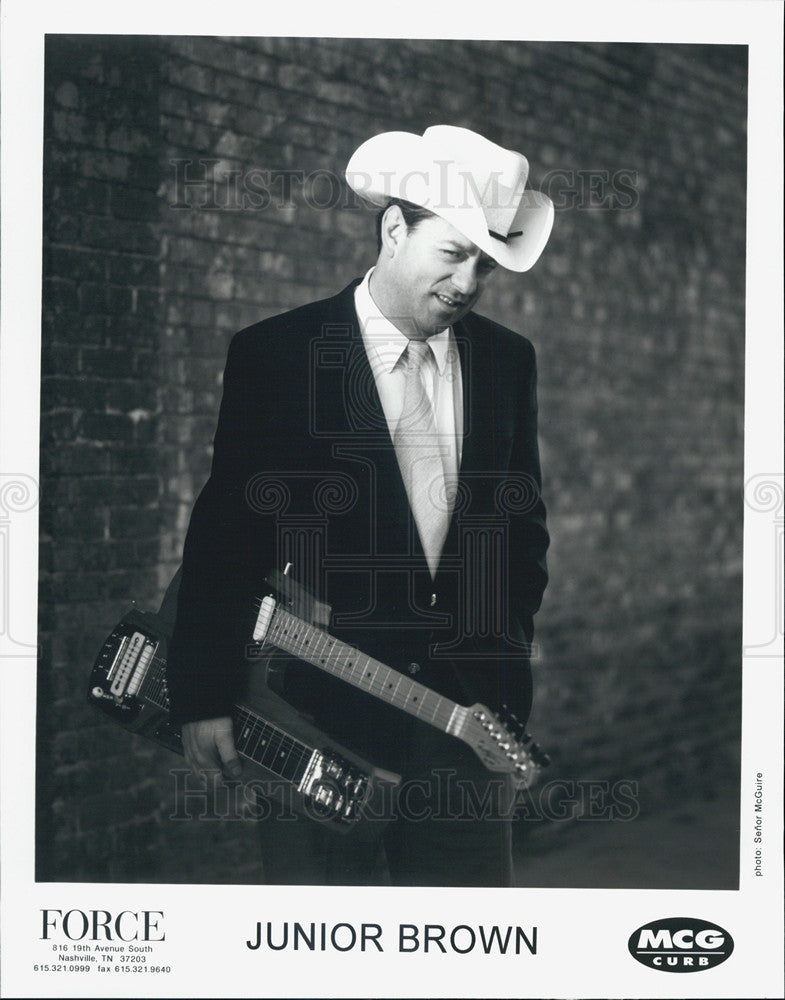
x: 413, y: 215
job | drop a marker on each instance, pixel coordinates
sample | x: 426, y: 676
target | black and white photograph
x: 197, y: 187
x: 400, y: 556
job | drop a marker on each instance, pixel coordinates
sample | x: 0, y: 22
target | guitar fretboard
x: 315, y: 646
x: 256, y: 739
x: 266, y: 744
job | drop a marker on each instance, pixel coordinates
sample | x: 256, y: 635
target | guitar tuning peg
x: 543, y: 760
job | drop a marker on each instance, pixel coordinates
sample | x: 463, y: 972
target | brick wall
x: 159, y: 244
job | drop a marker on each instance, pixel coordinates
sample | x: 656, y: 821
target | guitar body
x: 320, y: 778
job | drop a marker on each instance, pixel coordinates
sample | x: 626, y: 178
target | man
x: 422, y: 414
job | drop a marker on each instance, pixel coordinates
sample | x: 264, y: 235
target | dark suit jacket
x: 304, y: 471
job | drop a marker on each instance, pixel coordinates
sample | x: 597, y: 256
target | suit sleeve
x: 227, y: 551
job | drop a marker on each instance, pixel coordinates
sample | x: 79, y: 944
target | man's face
x: 436, y: 276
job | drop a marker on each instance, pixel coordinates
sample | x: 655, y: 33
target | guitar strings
x: 336, y: 662
x: 407, y: 694
x: 377, y: 686
x: 264, y: 743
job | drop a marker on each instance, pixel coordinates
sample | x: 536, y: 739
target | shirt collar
x: 385, y: 339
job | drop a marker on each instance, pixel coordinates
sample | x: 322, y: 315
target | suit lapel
x: 488, y: 402
x: 358, y: 409
x: 363, y: 434
x: 488, y: 421
x: 476, y: 375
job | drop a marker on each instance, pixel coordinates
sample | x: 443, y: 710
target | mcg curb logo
x: 680, y: 944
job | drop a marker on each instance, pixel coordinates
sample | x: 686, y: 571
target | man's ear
x: 393, y: 230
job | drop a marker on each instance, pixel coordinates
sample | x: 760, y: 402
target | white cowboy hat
x: 469, y: 181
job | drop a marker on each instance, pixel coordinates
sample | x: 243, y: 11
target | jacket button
x: 413, y: 668
x: 433, y: 599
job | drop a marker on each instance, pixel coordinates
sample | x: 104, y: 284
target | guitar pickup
x: 131, y: 664
x: 263, y: 619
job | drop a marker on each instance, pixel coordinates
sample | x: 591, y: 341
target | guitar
x: 281, y: 622
x: 325, y: 781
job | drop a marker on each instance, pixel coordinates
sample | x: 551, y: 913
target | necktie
x: 419, y: 457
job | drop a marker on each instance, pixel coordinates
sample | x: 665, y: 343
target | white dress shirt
x: 385, y: 346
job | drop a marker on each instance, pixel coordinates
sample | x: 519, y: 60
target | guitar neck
x: 315, y: 646
x: 476, y: 726
x: 256, y: 739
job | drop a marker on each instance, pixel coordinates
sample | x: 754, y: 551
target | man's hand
x: 209, y: 745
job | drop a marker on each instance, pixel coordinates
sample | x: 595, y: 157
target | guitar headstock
x: 502, y: 744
